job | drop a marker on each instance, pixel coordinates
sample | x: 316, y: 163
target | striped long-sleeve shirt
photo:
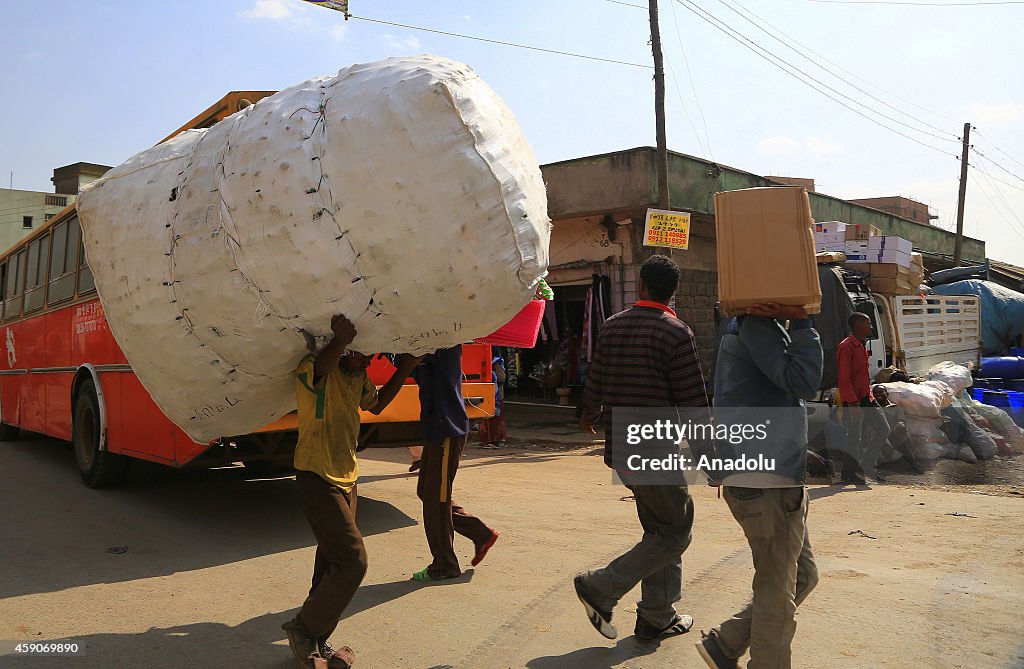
x: 645, y: 357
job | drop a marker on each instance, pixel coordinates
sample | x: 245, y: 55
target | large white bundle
x: 957, y: 377
x: 400, y: 193
x: 926, y: 399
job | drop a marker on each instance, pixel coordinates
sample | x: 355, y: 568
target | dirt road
x: 200, y: 569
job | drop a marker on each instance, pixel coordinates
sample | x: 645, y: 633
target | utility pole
x: 957, y: 252
x: 659, y: 108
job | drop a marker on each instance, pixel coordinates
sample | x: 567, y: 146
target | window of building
x: 56, y: 200
x: 47, y: 217
x: 26, y: 222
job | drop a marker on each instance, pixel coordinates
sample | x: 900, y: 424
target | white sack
x: 926, y: 399
x: 957, y: 377
x: 929, y: 429
x: 400, y: 193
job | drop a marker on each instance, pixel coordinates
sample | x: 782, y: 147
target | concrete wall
x: 15, y: 205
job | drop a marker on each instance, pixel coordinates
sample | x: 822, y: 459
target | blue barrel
x: 997, y: 398
x: 1005, y: 367
x: 1017, y: 350
x: 978, y: 394
x: 1016, y: 409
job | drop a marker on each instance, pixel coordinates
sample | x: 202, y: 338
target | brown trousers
x: 442, y: 518
x: 340, y: 563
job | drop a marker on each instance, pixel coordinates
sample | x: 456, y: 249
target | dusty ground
x: 213, y: 562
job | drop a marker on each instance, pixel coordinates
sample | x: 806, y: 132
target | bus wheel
x: 8, y: 432
x: 99, y: 469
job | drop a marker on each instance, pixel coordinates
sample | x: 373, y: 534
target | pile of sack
x: 944, y: 421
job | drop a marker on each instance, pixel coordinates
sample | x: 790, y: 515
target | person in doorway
x: 765, y: 369
x: 645, y: 357
x: 866, y: 427
x: 492, y: 430
x: 445, y: 424
x: 331, y: 386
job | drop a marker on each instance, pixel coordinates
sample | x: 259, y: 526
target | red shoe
x: 481, y: 551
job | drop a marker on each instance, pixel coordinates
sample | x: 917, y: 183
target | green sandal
x: 424, y: 575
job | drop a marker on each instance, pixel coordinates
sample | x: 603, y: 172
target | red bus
x: 66, y: 377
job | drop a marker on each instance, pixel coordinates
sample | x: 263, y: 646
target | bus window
x: 14, y: 293
x: 62, y: 265
x: 3, y: 283
x: 35, y: 279
x: 86, y: 284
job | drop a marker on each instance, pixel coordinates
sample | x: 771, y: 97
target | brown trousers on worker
x: 340, y: 563
x: 442, y: 518
x: 774, y: 521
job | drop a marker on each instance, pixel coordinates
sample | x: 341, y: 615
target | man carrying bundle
x: 331, y: 387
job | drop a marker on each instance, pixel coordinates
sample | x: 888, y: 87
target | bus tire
x: 99, y: 469
x: 8, y: 432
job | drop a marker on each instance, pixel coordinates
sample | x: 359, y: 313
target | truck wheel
x: 99, y: 469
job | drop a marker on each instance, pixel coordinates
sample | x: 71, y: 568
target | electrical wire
x: 689, y: 75
x: 501, y: 42
x: 757, y: 49
x: 994, y: 163
x: 995, y: 208
x: 995, y: 146
x: 994, y: 178
x: 919, y: 4
x: 804, y: 55
x: 686, y: 112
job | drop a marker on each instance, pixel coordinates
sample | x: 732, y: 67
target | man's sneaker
x: 342, y: 658
x: 648, y: 632
x: 601, y: 620
x: 303, y: 647
x: 713, y: 655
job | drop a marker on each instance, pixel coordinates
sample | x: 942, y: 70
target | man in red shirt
x: 866, y: 426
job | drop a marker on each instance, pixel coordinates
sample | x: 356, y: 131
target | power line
x: 989, y: 160
x: 689, y: 74
x: 804, y: 55
x: 757, y: 49
x: 997, y: 147
x: 628, y: 4
x: 994, y: 178
x: 503, y: 43
x: 919, y: 4
x: 996, y: 209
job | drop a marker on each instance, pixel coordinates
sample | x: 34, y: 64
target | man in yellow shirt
x: 331, y: 387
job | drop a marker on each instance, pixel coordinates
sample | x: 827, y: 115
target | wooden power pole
x: 958, y: 249
x: 659, y: 108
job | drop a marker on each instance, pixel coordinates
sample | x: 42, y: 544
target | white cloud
x: 337, y: 32
x: 400, y: 44
x: 979, y: 112
x: 821, y: 147
x: 778, y: 146
x: 274, y: 10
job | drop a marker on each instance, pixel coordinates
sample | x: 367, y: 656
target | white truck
x: 910, y: 332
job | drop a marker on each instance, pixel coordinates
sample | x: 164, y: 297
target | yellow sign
x: 667, y: 228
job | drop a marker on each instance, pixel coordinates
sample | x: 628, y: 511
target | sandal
x: 481, y: 550
x: 424, y: 575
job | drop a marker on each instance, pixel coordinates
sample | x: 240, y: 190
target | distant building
x: 900, y: 206
x: 794, y: 181
x: 22, y: 211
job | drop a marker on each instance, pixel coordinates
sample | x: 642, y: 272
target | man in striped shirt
x: 645, y: 357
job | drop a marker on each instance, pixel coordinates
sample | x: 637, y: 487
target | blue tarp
x: 1002, y: 312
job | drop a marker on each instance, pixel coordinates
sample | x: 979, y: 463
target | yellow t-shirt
x: 329, y: 422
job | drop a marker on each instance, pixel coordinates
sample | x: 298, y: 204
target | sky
x: 100, y: 81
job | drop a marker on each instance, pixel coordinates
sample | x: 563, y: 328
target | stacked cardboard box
x: 896, y: 279
x: 829, y: 237
x: 859, y: 231
x: 889, y: 249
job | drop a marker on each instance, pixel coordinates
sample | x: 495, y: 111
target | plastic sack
x: 924, y: 449
x: 957, y: 377
x: 926, y: 399
x: 399, y: 193
x: 929, y: 429
x: 1000, y: 421
x: 966, y: 454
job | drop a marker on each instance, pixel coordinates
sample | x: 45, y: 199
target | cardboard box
x: 896, y: 257
x: 860, y: 231
x: 766, y: 249
x: 831, y: 237
x: 856, y: 247
x: 830, y: 227
x: 917, y: 260
x: 892, y: 286
x: 890, y: 243
x: 888, y: 271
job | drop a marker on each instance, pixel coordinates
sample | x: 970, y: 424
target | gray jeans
x: 666, y: 515
x: 867, y: 431
x: 774, y: 521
